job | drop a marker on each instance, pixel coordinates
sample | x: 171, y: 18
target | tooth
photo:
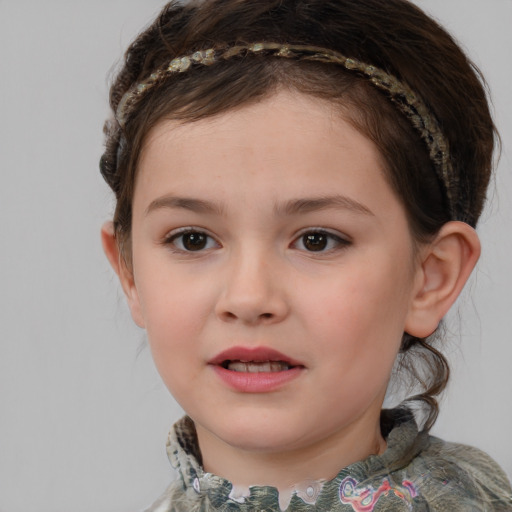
x: 257, y: 367
x: 237, y: 366
x: 278, y: 366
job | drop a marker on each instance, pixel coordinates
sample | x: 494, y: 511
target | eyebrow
x: 186, y: 203
x: 306, y: 205
x: 291, y: 207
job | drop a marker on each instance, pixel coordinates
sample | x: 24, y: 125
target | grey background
x: 83, y: 415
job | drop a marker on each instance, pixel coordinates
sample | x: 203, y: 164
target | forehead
x: 286, y: 146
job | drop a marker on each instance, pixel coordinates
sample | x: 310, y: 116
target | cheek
x: 360, y: 316
x: 174, y: 311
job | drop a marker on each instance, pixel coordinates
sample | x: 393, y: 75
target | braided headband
x: 399, y: 93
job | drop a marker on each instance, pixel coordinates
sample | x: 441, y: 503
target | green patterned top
x: 417, y: 472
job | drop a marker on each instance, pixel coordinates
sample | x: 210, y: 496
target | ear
x: 445, y: 266
x: 125, y: 274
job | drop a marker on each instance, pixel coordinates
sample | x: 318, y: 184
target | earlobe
x: 111, y: 249
x: 446, y: 265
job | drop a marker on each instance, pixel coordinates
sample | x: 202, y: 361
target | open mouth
x: 254, y: 360
x: 257, y: 369
x: 256, y: 366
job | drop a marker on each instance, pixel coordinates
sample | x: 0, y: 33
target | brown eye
x: 315, y: 241
x: 194, y: 241
x: 191, y: 241
x: 320, y: 241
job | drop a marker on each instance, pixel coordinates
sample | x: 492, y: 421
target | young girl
x: 297, y: 187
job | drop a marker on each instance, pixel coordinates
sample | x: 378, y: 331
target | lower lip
x: 262, y: 382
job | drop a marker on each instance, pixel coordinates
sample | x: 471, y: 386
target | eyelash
x: 336, y: 241
x: 333, y: 242
x: 170, y: 240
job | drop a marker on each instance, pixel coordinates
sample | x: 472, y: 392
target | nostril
x: 229, y: 316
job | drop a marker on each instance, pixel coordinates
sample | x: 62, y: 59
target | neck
x: 284, y: 469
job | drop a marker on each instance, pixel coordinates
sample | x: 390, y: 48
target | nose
x: 253, y: 291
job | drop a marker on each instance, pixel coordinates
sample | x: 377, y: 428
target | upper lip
x: 252, y: 355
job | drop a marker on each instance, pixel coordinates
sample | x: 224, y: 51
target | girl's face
x: 273, y: 269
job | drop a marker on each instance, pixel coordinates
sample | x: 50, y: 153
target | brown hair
x: 395, y: 36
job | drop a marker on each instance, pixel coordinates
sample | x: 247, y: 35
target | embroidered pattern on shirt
x: 363, y: 499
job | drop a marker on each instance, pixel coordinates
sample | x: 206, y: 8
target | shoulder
x: 460, y: 476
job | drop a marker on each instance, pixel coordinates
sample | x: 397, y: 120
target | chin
x: 259, y: 441
x: 255, y: 433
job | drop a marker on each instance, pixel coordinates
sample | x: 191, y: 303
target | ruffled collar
x: 403, y: 444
